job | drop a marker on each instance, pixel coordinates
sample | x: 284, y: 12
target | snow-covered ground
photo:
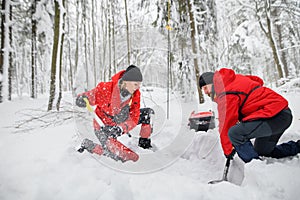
x: 44, y: 163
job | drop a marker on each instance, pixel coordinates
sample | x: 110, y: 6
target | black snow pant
x: 266, y: 132
x: 145, y: 115
x: 145, y: 120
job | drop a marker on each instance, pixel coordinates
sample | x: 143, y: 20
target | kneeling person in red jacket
x: 249, y: 110
x: 118, y: 107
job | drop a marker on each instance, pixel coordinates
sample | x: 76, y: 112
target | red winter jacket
x: 231, y: 90
x: 107, y: 98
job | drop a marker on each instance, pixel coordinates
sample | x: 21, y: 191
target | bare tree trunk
x: 70, y: 54
x: 2, y: 47
x: 61, y: 59
x: 194, y: 49
x: 94, y: 41
x: 128, y: 34
x: 77, y: 36
x: 274, y: 49
x: 33, y: 49
x: 113, y: 39
x: 109, y: 40
x: 54, y: 56
x: 6, y: 51
x: 269, y: 35
x: 282, y: 54
x: 85, y: 24
x: 10, y: 68
x: 104, y: 41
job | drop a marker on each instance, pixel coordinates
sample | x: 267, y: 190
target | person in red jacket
x: 248, y: 110
x: 118, y: 106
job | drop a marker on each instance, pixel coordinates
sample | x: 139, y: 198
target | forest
x: 49, y: 47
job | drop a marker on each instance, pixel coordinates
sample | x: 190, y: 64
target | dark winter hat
x: 132, y: 73
x: 206, y: 78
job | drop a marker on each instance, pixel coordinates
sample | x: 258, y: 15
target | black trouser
x: 145, y: 115
x: 266, y: 133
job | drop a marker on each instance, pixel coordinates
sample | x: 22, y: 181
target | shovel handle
x: 226, y: 169
x: 88, y: 105
x: 227, y: 164
x: 91, y: 109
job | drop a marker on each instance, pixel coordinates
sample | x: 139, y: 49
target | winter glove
x: 112, y: 131
x: 123, y: 115
x: 80, y: 102
x: 145, y: 143
x: 230, y: 156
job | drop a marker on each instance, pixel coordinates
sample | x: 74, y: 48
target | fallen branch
x: 31, y: 119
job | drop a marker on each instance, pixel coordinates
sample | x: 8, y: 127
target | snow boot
x: 91, y: 147
x: 145, y: 143
x: 298, y: 144
x: 283, y: 150
x: 113, y: 149
x: 246, y: 151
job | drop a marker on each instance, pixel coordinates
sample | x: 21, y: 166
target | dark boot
x: 246, y: 151
x: 90, y: 146
x: 145, y: 143
x: 290, y: 148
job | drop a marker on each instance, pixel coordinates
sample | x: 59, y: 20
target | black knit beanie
x: 132, y: 73
x: 206, y: 78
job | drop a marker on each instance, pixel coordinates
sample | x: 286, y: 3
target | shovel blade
x: 215, y: 181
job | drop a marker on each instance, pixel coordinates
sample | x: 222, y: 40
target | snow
x: 44, y: 163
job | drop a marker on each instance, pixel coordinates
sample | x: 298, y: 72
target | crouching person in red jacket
x: 118, y: 106
x: 249, y: 110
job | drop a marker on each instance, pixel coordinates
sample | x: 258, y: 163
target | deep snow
x: 44, y: 164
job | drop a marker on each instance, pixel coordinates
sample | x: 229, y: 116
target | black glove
x: 145, y: 143
x: 112, y: 131
x: 230, y: 156
x: 123, y: 115
x: 80, y: 102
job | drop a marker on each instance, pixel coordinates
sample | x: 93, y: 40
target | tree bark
x: 194, y: 49
x: 77, y: 36
x: 70, y: 77
x: 113, y: 39
x: 282, y: 54
x: 2, y: 47
x: 269, y: 35
x: 128, y: 34
x: 274, y: 49
x: 54, y: 56
x: 61, y: 59
x: 109, y: 40
x: 94, y: 41
x: 11, y: 66
x: 33, y: 49
x: 85, y: 24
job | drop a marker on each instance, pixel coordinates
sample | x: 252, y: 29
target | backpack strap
x: 238, y: 93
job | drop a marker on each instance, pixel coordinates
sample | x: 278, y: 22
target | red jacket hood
x: 224, y: 77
